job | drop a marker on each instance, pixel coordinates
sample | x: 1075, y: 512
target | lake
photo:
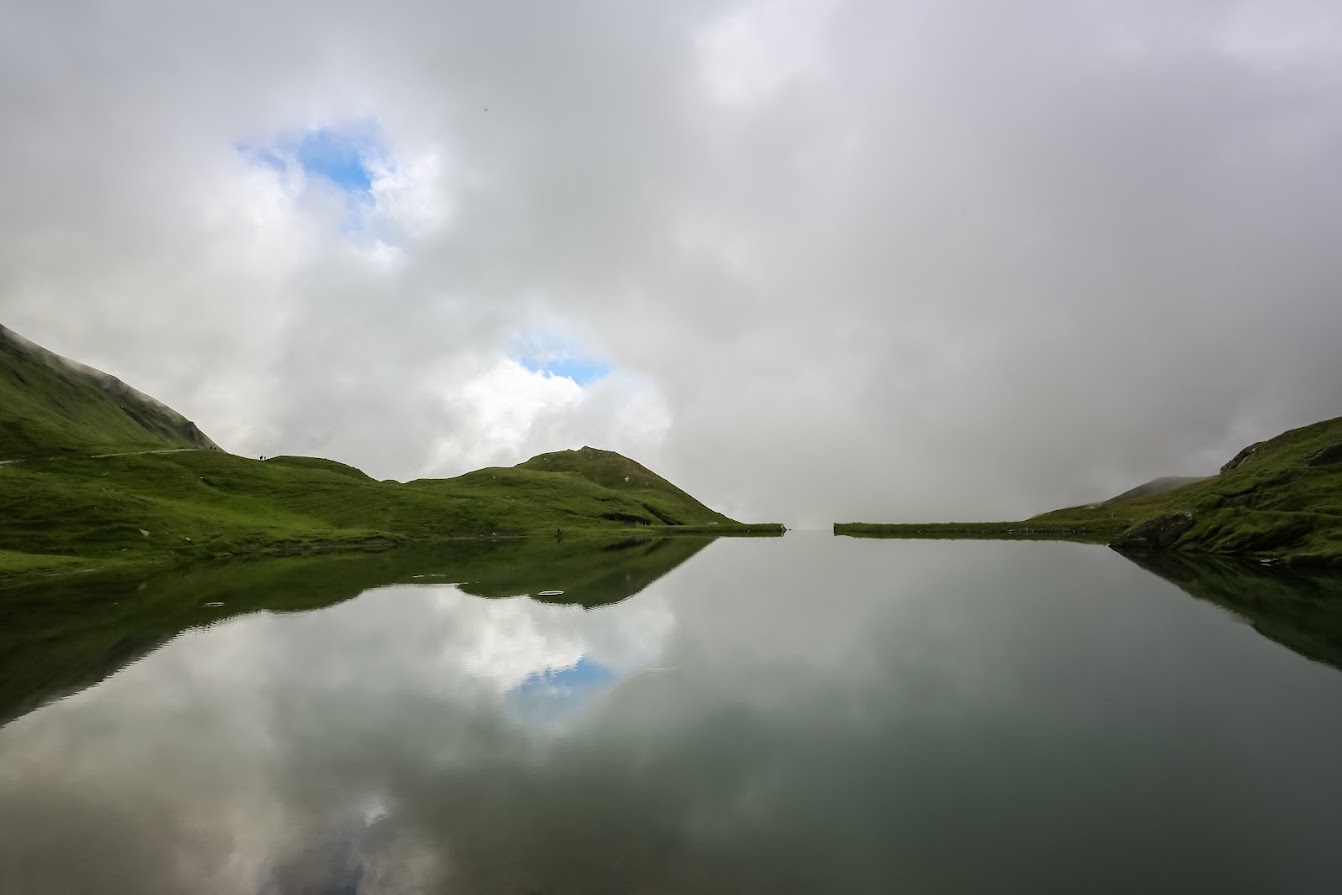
x: 805, y: 714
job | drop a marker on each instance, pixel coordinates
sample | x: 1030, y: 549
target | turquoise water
x: 805, y: 714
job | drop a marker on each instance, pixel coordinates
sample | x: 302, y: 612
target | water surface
x: 806, y: 714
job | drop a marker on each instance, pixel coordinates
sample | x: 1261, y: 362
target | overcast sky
x: 812, y: 260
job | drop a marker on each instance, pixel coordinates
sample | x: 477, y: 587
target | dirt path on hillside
x: 100, y: 456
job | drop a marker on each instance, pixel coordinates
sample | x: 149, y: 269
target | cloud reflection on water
x: 841, y: 716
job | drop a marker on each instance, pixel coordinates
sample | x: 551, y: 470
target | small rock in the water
x: 550, y: 593
x: 143, y: 532
x: 213, y: 605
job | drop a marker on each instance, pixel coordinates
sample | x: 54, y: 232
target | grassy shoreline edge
x: 20, y: 569
x: 982, y: 531
x: 1275, y: 502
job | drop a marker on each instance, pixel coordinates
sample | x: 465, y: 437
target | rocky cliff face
x: 1163, y: 531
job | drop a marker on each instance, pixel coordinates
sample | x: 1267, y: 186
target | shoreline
x: 19, y: 569
x: 1117, y: 538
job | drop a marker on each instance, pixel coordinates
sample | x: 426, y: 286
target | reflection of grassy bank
x: 70, y: 632
x: 995, y: 531
x: 734, y: 530
x: 1299, y: 609
x: 592, y: 572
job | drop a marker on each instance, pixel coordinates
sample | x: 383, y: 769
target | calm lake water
x: 805, y: 714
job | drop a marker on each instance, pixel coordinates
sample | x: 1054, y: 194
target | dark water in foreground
x: 808, y: 714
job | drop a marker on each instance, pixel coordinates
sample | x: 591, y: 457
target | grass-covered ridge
x: 610, y: 470
x: 51, y: 406
x: 169, y: 508
x: 598, y: 487
x: 94, y: 474
x: 1278, y: 501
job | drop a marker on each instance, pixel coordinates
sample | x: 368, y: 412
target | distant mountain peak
x: 1157, y: 486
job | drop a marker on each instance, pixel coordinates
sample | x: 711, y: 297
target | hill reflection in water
x: 68, y: 634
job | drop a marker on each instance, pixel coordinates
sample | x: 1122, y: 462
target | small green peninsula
x: 1276, y: 501
x: 95, y: 474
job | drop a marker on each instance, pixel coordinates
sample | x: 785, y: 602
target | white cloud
x: 757, y: 49
x: 511, y: 413
x: 845, y: 258
x: 500, y: 406
x: 411, y: 195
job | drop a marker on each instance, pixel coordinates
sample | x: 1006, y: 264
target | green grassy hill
x: 100, y: 475
x: 643, y: 497
x: 1276, y: 501
x: 51, y: 406
x: 174, y: 507
x: 610, y: 470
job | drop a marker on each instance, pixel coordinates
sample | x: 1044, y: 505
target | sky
x: 812, y: 260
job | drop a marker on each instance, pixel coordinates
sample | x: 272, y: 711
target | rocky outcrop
x: 1241, y: 458
x: 1163, y: 531
x: 1227, y: 532
x: 1326, y: 456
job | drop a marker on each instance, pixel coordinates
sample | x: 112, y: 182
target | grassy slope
x: 604, y: 487
x: 611, y: 470
x: 1278, y: 500
x: 85, y: 511
x: 1161, y: 485
x: 50, y: 407
x: 65, y: 508
x: 70, y: 632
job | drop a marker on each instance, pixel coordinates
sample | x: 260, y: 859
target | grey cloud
x: 946, y: 260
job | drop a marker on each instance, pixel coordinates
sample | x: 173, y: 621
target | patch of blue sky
x: 556, y: 694
x: 584, y: 673
x: 344, y: 157
x: 581, y: 371
x: 347, y: 158
x: 547, y: 353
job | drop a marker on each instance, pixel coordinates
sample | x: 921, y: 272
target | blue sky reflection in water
x: 799, y: 715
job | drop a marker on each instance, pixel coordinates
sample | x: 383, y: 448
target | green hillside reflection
x: 1301, y: 610
x: 70, y: 633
